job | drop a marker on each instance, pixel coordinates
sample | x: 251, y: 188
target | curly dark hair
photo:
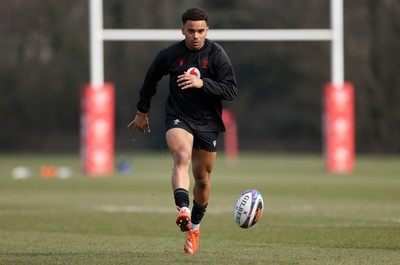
x: 194, y: 14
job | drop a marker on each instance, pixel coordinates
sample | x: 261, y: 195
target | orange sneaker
x: 184, y: 220
x: 192, y: 241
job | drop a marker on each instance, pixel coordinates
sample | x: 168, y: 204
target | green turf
x: 311, y: 217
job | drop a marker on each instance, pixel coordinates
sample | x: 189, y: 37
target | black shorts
x: 207, y: 141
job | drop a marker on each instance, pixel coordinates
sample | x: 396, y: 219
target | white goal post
x: 98, y: 35
x: 338, y: 110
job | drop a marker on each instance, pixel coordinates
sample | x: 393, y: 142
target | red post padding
x: 97, y: 129
x: 230, y: 135
x: 339, y: 128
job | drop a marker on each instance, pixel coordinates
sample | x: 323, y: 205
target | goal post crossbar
x: 220, y: 34
x: 334, y: 35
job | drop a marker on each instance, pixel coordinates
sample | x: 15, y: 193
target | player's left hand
x: 186, y: 81
x: 140, y: 123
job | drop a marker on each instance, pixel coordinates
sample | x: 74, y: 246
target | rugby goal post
x: 97, y: 129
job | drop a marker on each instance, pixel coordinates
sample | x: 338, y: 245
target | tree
x: 44, y: 63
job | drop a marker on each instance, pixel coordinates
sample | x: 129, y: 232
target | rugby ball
x: 248, y: 208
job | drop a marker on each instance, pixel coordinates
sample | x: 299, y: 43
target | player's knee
x: 203, y: 182
x: 182, y: 158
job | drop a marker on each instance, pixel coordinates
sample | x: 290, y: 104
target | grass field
x: 311, y: 217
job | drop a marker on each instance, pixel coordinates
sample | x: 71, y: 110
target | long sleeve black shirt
x: 200, y: 108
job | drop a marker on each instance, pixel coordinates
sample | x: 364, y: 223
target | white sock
x: 186, y: 209
x: 195, y: 227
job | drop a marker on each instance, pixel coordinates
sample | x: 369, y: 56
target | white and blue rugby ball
x: 248, y: 208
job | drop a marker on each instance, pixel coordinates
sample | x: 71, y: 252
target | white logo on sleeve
x: 214, y: 143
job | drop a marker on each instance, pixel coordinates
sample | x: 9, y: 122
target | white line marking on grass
x: 132, y: 209
x: 394, y: 220
x: 141, y: 209
x: 210, y: 210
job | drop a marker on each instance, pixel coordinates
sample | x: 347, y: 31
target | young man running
x: 201, y: 76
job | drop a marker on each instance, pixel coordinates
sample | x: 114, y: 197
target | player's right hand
x: 140, y: 123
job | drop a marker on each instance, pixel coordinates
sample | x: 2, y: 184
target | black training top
x: 200, y: 108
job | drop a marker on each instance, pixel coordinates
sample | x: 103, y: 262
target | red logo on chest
x: 180, y: 62
x: 204, y: 63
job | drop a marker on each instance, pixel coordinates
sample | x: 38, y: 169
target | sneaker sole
x: 184, y: 223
